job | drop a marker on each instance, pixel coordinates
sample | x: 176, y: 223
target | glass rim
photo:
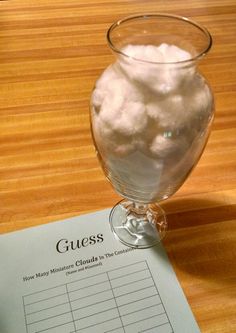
x: 158, y: 15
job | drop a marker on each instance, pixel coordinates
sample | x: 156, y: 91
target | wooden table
x: 51, y: 52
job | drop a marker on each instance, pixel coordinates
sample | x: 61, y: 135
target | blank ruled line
x: 131, y: 282
x: 57, y: 315
x: 147, y: 307
x: 130, y: 265
x: 131, y: 292
x: 99, y: 292
x: 91, y: 285
x: 138, y: 321
x: 140, y: 299
x: 51, y: 327
x: 95, y: 303
x: 133, y: 273
x: 113, y: 329
x: 106, y: 321
x: 150, y: 328
x: 98, y: 323
x: 48, y: 308
x: 95, y: 313
x: 45, y: 299
x: 39, y: 292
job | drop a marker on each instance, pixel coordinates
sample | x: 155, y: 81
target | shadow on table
x: 200, y: 242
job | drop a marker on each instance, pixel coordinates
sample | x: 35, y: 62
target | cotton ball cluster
x: 141, y: 165
x: 168, y: 112
x: 119, y: 112
x: 154, y: 108
x: 156, y: 67
x: 149, y: 119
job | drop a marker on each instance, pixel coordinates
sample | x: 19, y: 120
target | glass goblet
x: 151, y: 114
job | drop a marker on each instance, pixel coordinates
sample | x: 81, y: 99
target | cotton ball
x: 101, y: 88
x: 112, y: 103
x: 148, y: 53
x: 172, y: 78
x: 118, y: 145
x: 164, y: 146
x: 155, y: 70
x: 172, y: 53
x: 133, y: 119
x: 161, y: 146
x: 105, y: 129
x: 121, y: 106
x: 198, y: 96
x: 137, y: 170
x: 167, y: 112
x: 137, y: 67
x: 108, y: 75
x: 110, y: 141
x: 123, y: 149
x: 153, y: 111
x: 121, y: 114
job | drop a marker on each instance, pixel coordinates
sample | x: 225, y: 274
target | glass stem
x: 140, y: 208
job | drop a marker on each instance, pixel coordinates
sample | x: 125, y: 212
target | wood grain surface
x: 51, y: 52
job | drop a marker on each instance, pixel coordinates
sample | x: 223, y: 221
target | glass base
x: 138, y: 225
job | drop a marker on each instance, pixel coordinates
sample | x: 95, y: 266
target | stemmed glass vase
x: 151, y: 114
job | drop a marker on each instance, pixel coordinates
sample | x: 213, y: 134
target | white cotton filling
x: 154, y: 109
